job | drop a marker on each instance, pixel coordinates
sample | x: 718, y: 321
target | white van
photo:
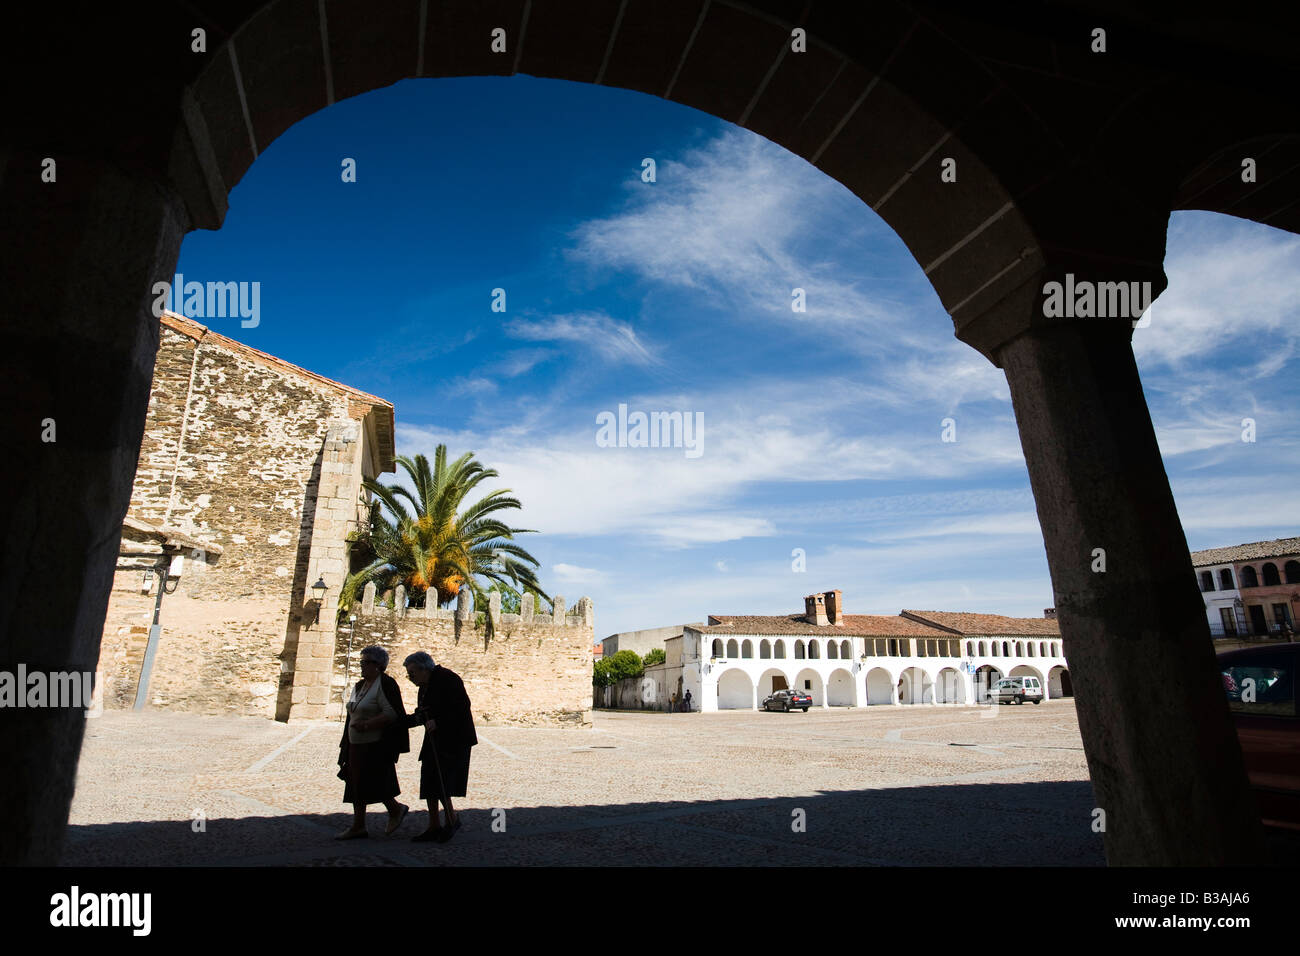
x: 1016, y: 689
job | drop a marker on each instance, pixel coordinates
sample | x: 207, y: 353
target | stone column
x: 80, y: 339
x: 1164, y: 759
x: 334, y: 516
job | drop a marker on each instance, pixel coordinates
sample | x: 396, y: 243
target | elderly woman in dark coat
x: 374, y: 733
x: 444, y: 709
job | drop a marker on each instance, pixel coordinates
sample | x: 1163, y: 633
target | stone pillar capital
x: 1109, y: 295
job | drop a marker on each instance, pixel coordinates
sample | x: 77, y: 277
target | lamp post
x: 168, y: 570
x: 318, y: 597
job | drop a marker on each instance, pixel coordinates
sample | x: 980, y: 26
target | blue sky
x: 821, y: 429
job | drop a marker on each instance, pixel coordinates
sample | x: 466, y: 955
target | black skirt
x: 455, y: 773
x: 372, y: 774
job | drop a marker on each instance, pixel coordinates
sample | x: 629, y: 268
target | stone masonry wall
x: 214, y: 657
x: 535, y: 671
x: 236, y: 451
x: 249, y: 436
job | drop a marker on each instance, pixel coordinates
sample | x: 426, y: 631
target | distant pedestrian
x: 672, y: 703
x: 374, y: 734
x: 687, y: 701
x: 444, y: 709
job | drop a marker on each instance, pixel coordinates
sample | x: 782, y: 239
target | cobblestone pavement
x: 876, y: 786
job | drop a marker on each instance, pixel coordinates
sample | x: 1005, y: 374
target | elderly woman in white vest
x: 374, y: 734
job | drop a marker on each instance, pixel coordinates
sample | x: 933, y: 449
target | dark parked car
x: 1260, y: 686
x: 788, y: 700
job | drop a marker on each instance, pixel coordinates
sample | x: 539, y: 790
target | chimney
x: 815, y: 609
x: 835, y: 608
x: 1049, y: 613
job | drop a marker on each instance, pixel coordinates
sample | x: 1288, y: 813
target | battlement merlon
x: 583, y: 614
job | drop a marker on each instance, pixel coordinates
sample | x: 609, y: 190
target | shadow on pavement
x: 1028, y: 824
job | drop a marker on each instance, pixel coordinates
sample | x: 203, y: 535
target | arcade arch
x: 839, y: 688
x: 880, y: 687
x: 809, y: 681
x: 735, y: 690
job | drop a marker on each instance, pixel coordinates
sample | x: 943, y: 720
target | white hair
x: 377, y: 654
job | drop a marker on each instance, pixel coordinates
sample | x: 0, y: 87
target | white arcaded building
x: 854, y: 660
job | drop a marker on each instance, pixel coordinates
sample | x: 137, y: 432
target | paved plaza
x: 876, y: 786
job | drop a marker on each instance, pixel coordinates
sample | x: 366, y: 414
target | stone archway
x: 876, y: 101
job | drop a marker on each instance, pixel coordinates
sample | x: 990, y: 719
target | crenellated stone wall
x: 536, y: 670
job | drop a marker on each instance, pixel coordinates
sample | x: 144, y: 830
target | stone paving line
x: 875, y: 786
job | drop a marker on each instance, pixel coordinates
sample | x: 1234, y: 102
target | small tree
x: 654, y: 656
x: 601, y: 675
x: 626, y: 664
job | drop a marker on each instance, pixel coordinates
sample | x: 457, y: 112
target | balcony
x: 1219, y: 632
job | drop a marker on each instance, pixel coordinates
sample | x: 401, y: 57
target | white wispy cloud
x: 1229, y: 280
x: 573, y: 487
x: 732, y: 220
x: 574, y: 574
x: 614, y: 341
x: 471, y: 385
x: 521, y: 361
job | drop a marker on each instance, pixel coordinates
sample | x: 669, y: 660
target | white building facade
x: 1223, y: 606
x: 1250, y: 590
x: 919, y: 657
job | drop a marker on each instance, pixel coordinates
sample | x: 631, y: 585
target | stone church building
x: 250, y: 472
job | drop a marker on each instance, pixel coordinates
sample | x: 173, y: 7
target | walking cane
x: 442, y: 785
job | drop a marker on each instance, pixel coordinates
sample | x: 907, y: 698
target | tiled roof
x: 975, y: 624
x: 1256, y: 550
x: 855, y: 625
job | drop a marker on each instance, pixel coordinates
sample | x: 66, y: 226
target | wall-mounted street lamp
x: 169, y: 579
x: 317, y: 598
x: 168, y: 572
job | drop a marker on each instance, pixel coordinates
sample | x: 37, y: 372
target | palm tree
x: 431, y: 548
